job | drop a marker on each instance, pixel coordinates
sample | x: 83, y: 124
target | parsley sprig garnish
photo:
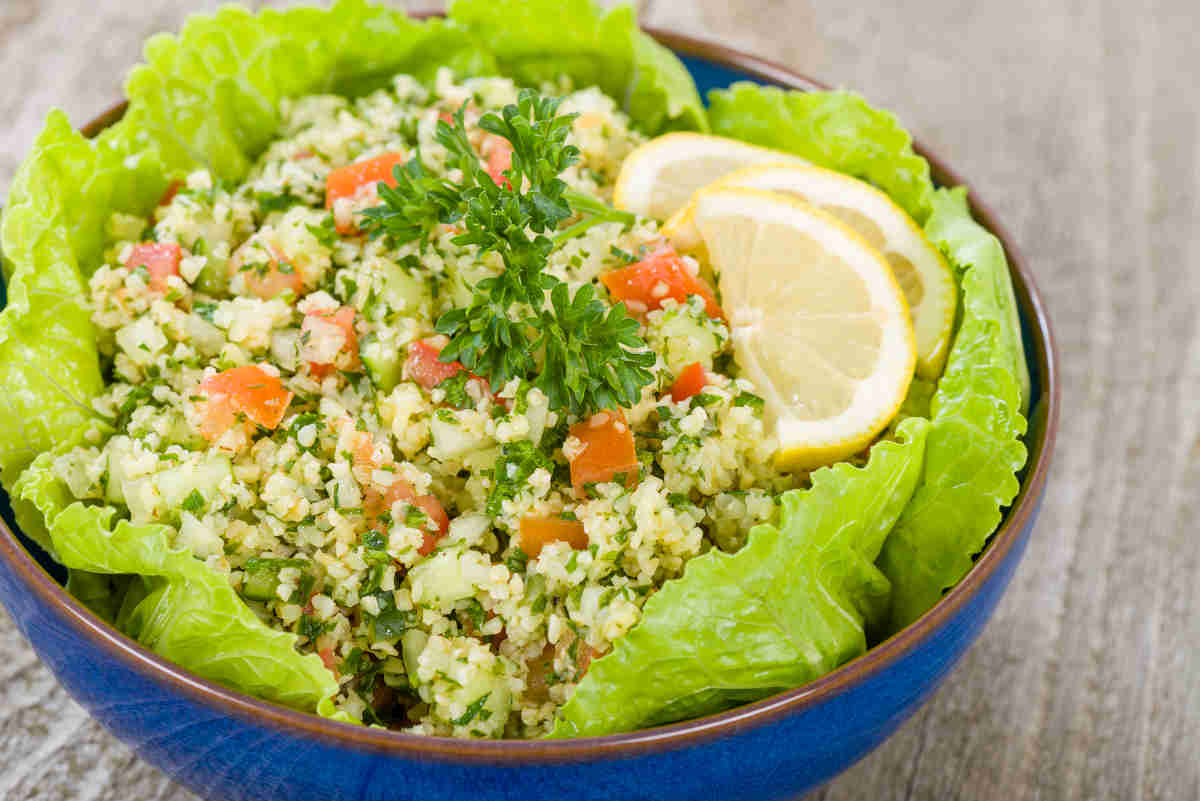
x: 522, y: 323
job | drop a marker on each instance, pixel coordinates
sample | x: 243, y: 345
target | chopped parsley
x: 194, y: 502
x: 749, y: 399
x: 517, y: 561
x: 473, y: 710
x: 325, y: 232
x: 516, y: 463
x: 270, y: 201
x: 455, y: 389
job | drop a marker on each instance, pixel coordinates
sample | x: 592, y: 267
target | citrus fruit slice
x: 922, y: 273
x: 818, y: 322
x: 658, y: 178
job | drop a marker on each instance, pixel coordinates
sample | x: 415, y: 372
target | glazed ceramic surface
x: 229, y: 747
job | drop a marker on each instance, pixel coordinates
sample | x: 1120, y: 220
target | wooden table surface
x: 1079, y: 121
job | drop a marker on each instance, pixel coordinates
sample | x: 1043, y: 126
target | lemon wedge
x: 818, y: 322
x: 658, y: 178
x: 922, y: 273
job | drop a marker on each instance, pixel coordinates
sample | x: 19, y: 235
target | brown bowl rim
x: 1040, y: 442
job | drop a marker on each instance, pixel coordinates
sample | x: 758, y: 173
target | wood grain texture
x: 1080, y: 122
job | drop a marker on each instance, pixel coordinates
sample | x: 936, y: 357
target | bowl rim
x: 1040, y: 442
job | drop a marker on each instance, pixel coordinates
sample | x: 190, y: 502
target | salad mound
x: 332, y: 375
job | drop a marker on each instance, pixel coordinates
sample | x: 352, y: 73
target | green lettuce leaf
x: 788, y: 607
x: 974, y: 448
x: 177, y: 605
x: 210, y: 95
x: 538, y: 40
x: 49, y: 364
x: 837, y: 130
x: 100, y: 593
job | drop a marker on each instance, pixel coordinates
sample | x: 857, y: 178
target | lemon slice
x: 922, y: 273
x: 658, y: 178
x: 818, y: 322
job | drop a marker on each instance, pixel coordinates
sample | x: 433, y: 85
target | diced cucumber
x: 442, y: 579
x: 162, y: 494
x: 177, y: 483
x: 406, y: 293
x: 412, y: 643
x: 492, y: 689
x: 685, y: 335
x: 214, y: 278
x: 454, y: 436
x: 262, y: 576
x: 384, y: 361
x: 141, y: 340
x: 207, y: 338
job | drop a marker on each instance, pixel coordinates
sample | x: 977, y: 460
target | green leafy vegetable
x: 790, y: 606
x: 49, y: 361
x: 179, y: 607
x: 591, y: 358
x: 975, y: 446
x: 837, y: 130
x: 536, y: 41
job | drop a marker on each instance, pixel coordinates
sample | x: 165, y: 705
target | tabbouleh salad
x: 448, y: 549
x: 352, y: 370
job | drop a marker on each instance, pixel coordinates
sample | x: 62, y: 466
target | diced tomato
x: 401, y: 490
x: 498, y: 152
x: 423, y: 365
x: 275, y: 280
x: 161, y: 260
x: 343, y: 318
x: 607, y: 451
x: 691, y: 380
x: 447, y: 118
x: 249, y: 390
x: 328, y: 658
x: 538, y: 532
x: 657, y: 277
x: 171, y: 191
x: 376, y: 503
x: 268, y: 280
x: 348, y: 181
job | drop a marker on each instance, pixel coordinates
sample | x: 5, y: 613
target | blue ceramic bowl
x: 230, y: 747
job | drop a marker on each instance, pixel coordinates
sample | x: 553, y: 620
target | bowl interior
x: 714, y: 67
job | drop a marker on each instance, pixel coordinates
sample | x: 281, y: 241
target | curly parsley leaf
x: 521, y: 323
